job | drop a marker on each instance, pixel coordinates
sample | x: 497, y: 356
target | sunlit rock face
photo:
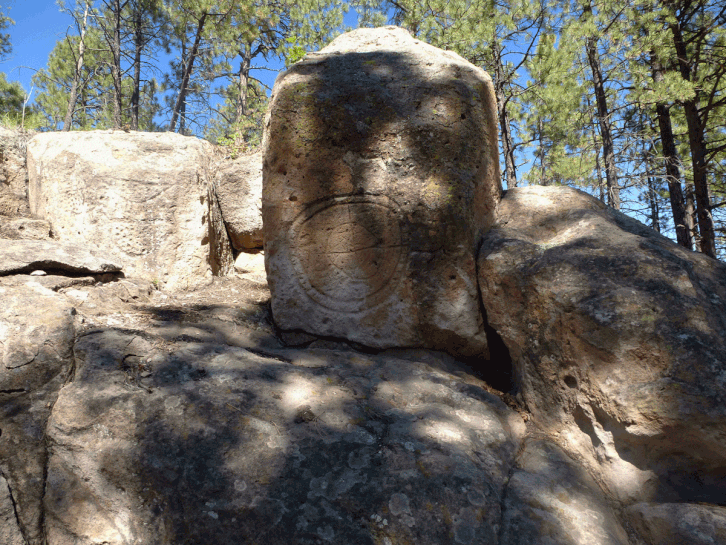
x: 617, y: 336
x: 145, y: 198
x: 380, y: 174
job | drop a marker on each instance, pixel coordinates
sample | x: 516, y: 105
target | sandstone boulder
x: 24, y: 256
x: 666, y: 524
x: 239, y: 190
x: 380, y: 174
x: 146, y: 198
x: 617, y: 338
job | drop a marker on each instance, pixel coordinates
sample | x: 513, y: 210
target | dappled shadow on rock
x: 216, y: 444
x: 616, y: 335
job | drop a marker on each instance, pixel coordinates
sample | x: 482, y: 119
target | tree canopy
x: 623, y: 101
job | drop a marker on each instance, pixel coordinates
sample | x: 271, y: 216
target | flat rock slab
x: 24, y: 228
x: 23, y: 256
x: 617, y: 333
x: 171, y: 442
x: 380, y: 174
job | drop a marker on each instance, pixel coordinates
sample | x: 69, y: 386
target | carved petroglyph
x: 347, y: 251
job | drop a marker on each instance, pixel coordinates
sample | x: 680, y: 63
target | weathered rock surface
x: 146, y: 198
x: 686, y: 523
x: 239, y: 190
x: 24, y: 229
x: 9, y: 531
x: 20, y: 256
x: 170, y: 440
x: 552, y: 499
x: 380, y: 173
x: 618, y: 339
x: 36, y: 343
x: 13, y: 172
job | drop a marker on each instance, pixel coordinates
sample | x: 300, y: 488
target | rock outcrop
x: 146, y: 198
x: 133, y: 413
x: 618, y: 341
x: 380, y: 174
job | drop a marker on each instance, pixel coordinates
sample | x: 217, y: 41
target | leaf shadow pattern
x: 223, y: 445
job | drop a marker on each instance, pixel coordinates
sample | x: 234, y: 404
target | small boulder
x: 380, y: 175
x: 239, y: 191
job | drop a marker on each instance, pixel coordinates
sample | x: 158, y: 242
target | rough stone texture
x: 18, y: 256
x: 146, y: 197
x: 618, y: 339
x: 36, y: 340
x: 189, y: 442
x: 679, y: 523
x: 239, y: 190
x: 24, y: 228
x: 9, y: 531
x: 13, y: 172
x: 380, y: 173
x: 552, y: 499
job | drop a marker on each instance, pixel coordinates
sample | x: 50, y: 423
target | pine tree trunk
x: 188, y: 67
x: 603, y: 116
x: 73, y: 96
x: 510, y: 172
x: 697, y: 142
x: 138, y: 47
x: 243, y: 82
x: 116, y: 64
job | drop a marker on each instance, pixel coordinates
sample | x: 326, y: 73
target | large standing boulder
x: 618, y: 339
x: 146, y: 198
x: 380, y: 175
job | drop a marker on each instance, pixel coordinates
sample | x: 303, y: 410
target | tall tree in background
x: 698, y: 40
x: 80, y: 17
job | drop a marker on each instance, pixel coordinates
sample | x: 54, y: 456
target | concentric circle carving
x: 347, y: 251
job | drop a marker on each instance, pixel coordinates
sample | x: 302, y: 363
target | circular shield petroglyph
x: 347, y: 251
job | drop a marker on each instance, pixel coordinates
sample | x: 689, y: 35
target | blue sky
x: 39, y: 24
